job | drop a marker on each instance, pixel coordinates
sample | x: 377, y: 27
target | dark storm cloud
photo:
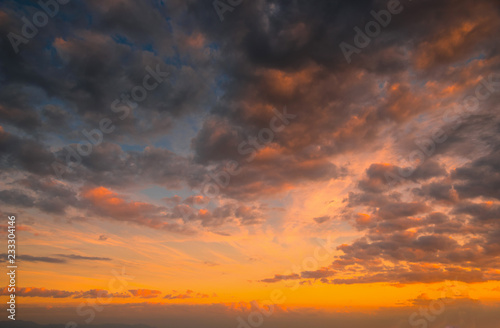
x: 52, y: 196
x: 483, y: 212
x: 459, y: 244
x: 480, y: 178
x: 379, y: 176
x: 439, y: 191
x: 110, y: 165
x: 55, y: 116
x: 89, y: 68
x: 16, y: 198
x: 275, y: 53
x: 24, y: 154
x: 16, y: 107
x: 55, y: 197
x: 265, y: 76
x: 290, y: 35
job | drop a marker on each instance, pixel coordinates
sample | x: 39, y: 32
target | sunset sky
x: 252, y: 163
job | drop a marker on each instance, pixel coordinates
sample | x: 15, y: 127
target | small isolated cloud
x: 322, y: 219
x: 187, y: 295
x: 145, y: 293
x: 88, y: 258
x: 280, y: 277
x: 196, y: 200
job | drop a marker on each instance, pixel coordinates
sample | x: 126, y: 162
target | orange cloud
x: 108, y: 203
x: 454, y: 43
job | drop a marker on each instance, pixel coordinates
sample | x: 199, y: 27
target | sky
x: 264, y: 163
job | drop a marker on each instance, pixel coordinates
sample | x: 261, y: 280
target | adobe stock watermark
x: 219, y: 180
x: 50, y: 8
x: 221, y: 6
x: 454, y: 117
x: 116, y: 285
x: 278, y: 296
x: 122, y: 106
x: 435, y: 308
x: 372, y: 29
